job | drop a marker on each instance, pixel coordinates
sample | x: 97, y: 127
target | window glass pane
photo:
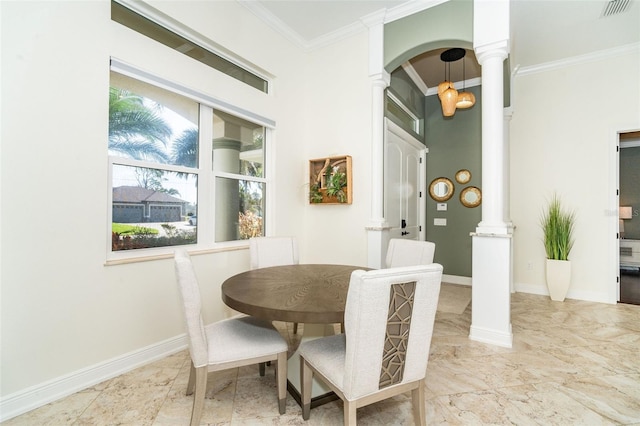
x: 162, y: 35
x: 152, y: 124
x: 407, y: 121
x: 152, y: 208
x: 239, y: 209
x: 237, y: 145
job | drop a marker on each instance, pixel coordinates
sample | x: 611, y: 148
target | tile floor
x: 572, y: 363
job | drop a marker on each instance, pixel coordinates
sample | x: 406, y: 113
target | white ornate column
x: 506, y: 187
x: 491, y: 59
x: 377, y: 228
x: 492, y: 242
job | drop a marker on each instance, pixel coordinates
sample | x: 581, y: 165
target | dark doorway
x: 630, y: 285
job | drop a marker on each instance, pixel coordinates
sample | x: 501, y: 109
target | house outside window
x: 164, y: 189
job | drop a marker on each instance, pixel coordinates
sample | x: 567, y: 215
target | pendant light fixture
x: 465, y: 99
x: 446, y: 91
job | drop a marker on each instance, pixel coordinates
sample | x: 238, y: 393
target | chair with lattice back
x: 389, y: 317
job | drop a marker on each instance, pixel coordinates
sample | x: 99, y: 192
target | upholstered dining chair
x: 273, y: 251
x: 389, y: 316
x: 401, y: 252
x: 226, y: 344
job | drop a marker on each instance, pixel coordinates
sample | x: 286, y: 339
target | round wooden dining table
x: 313, y: 295
x: 293, y: 293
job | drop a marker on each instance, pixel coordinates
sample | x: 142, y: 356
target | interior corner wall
x: 561, y: 145
x: 336, y: 108
x: 454, y: 143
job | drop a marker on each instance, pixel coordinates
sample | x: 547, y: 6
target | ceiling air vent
x: 614, y: 7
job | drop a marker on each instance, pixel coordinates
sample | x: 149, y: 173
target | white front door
x: 404, y: 183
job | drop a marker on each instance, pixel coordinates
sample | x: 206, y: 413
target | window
x: 153, y: 148
x: 238, y: 167
x: 396, y: 108
x: 149, y: 27
x: 164, y: 189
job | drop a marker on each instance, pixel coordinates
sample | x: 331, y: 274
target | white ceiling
x: 542, y: 30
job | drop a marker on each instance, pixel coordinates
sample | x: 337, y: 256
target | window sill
x: 169, y: 255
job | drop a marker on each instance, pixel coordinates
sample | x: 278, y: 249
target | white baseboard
x: 36, y: 396
x: 456, y: 279
x: 588, y: 296
x: 492, y: 337
x: 531, y: 289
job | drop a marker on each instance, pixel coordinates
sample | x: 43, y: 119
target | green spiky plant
x: 557, y: 226
x: 315, y: 196
x: 335, y: 186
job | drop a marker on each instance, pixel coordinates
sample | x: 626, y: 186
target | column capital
x: 507, y: 113
x: 381, y: 79
x: 227, y: 143
x: 498, y: 49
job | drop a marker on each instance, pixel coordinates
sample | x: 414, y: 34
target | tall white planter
x: 558, y: 278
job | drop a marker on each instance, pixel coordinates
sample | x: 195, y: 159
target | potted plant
x: 315, y: 196
x: 336, y: 183
x: 558, y: 226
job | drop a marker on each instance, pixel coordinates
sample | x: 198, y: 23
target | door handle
x: 403, y: 233
x: 403, y: 224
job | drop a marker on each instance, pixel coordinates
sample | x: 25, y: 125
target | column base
x: 492, y: 337
x: 491, y: 289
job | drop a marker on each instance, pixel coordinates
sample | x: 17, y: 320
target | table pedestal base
x: 320, y: 393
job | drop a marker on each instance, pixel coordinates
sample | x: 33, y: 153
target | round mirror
x: 463, y: 176
x: 441, y: 189
x: 470, y: 196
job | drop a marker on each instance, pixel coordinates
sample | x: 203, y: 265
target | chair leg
x: 192, y: 380
x: 349, y: 413
x: 281, y: 372
x: 417, y: 399
x: 261, y: 369
x: 295, y: 328
x: 305, y: 388
x: 198, y: 399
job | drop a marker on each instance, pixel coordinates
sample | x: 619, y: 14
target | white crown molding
x: 337, y: 35
x: 381, y: 16
x: 409, y: 8
x: 274, y: 22
x: 580, y: 59
x: 415, y: 77
x: 36, y: 396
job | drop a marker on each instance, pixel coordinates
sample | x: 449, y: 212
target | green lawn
x: 124, y: 229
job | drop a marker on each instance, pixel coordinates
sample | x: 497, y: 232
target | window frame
x: 205, y: 174
x: 169, y: 24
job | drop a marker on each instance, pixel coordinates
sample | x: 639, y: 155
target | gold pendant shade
x: 449, y: 100
x: 449, y: 97
x: 465, y: 100
x: 443, y: 86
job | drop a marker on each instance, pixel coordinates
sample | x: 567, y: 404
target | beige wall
x: 563, y: 136
x: 63, y: 310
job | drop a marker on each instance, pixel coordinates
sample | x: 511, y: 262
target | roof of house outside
x: 136, y: 194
